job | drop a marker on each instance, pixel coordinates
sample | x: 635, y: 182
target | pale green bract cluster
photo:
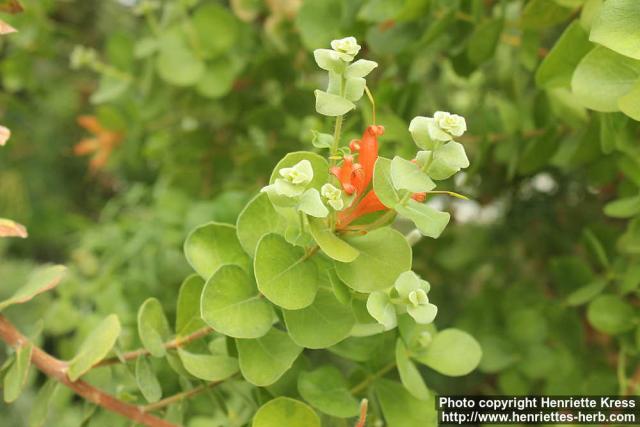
x: 292, y: 189
x: 346, y: 78
x: 346, y: 48
x: 333, y: 196
x: 408, y: 295
x: 441, y: 158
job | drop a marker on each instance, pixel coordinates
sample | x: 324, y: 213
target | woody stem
x: 57, y: 369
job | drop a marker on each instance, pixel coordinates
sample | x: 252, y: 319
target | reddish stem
x: 57, y: 369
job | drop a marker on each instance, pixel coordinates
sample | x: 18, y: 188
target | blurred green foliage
x: 541, y: 266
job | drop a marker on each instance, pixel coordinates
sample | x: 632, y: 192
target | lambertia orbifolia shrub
x: 315, y: 263
x: 304, y: 313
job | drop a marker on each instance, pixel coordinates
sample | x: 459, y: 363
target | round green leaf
x: 210, y: 246
x: 332, y: 105
x: 354, y: 88
x: 407, y: 175
x: 232, y: 305
x: 317, y: 23
x: 322, y: 324
x: 283, y: 411
x: 177, y: 63
x: 360, y: 68
x: 328, y: 59
x: 285, y: 274
x: 311, y: 204
x: 610, y: 314
x: 447, y: 161
x: 452, y: 352
x: 153, y: 327
x: 381, y: 308
x: 257, y: 219
x: 147, y: 380
x: 188, y: 306
x: 217, y: 29
x: 331, y: 244
x: 208, y: 367
x: 409, y: 374
x: 383, y: 184
x: 602, y: 77
x: 384, y: 254
x: 218, y: 79
x: 326, y: 389
x: 264, y: 360
x: 95, y: 347
x: 430, y: 222
x: 617, y: 27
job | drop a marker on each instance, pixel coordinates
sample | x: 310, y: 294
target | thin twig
x: 367, y: 381
x: 173, y: 344
x: 373, y: 103
x: 178, y: 397
x: 57, y: 369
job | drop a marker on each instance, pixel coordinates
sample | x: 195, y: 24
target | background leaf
x: 95, y: 347
x: 284, y: 410
x: 264, y: 360
x: 452, y: 352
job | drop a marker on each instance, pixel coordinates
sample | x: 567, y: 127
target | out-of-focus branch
x: 173, y: 344
x: 57, y: 369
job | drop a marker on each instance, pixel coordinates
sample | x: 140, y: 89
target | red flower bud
x: 419, y: 197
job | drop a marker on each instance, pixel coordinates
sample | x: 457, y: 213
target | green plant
x: 311, y: 264
x: 540, y: 266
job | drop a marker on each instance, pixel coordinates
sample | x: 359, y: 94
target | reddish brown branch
x: 57, y: 369
x: 173, y: 344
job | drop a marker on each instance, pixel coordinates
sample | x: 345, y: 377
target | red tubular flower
x: 356, y: 177
x: 347, y: 174
x: 369, y: 204
x: 367, y: 149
